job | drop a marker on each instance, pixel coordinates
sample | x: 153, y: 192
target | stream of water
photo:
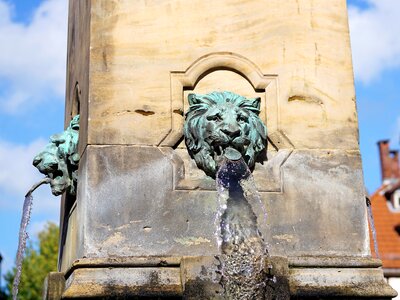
x: 372, y: 226
x: 242, y: 247
x: 23, y: 234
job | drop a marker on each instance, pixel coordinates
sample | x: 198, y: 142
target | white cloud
x: 17, y: 175
x: 375, y: 41
x: 33, y: 56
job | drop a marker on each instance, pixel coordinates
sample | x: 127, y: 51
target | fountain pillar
x: 142, y: 223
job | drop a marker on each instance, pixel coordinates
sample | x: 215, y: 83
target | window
x: 395, y: 199
x: 397, y: 229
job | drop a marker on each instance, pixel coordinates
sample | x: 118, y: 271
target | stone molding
x: 349, y: 277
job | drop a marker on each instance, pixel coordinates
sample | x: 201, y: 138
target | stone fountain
x: 142, y: 222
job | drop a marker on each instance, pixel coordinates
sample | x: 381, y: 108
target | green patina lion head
x: 60, y: 158
x: 221, y: 120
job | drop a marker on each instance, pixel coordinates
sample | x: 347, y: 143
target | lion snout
x: 45, y: 162
x: 37, y: 160
x: 231, y: 132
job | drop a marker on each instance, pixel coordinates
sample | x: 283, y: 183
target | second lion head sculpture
x: 59, y: 160
x: 219, y: 120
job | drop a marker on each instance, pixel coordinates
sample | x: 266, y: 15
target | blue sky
x: 32, y: 79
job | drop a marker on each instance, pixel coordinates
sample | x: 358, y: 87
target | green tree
x: 40, y: 259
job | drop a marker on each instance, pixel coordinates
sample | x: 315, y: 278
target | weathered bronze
x: 60, y: 158
x: 219, y: 121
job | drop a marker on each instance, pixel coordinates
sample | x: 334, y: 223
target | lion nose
x: 49, y: 162
x: 232, y: 133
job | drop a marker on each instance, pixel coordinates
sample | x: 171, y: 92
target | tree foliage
x: 40, y: 259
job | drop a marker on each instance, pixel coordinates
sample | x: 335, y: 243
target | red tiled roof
x: 385, y: 222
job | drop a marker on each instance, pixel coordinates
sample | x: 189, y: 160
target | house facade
x: 385, y: 204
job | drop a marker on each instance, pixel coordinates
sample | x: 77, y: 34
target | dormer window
x: 395, y: 200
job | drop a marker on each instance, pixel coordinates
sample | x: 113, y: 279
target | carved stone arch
x: 187, y: 80
x: 225, y: 61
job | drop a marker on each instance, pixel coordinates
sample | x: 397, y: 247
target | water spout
x: 23, y: 235
x: 242, y: 248
x: 372, y: 225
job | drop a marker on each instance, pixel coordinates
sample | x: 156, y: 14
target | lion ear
x: 256, y: 103
x: 194, y: 99
x: 253, y: 104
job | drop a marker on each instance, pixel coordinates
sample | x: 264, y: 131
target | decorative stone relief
x: 263, y: 84
x: 232, y: 72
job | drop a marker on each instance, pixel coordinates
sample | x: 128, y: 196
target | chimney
x: 395, y: 163
x: 386, y: 161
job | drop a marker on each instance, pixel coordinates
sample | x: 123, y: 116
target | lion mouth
x: 58, y: 182
x: 220, y: 150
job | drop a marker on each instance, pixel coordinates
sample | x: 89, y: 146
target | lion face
x: 220, y: 120
x: 59, y: 160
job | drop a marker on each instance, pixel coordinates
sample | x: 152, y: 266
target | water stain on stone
x: 144, y: 112
x: 178, y: 111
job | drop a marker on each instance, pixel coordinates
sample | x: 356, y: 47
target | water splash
x: 243, y: 250
x: 372, y: 225
x: 23, y: 234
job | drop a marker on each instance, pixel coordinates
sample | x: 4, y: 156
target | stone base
x: 54, y: 285
x: 331, y: 277
x: 195, y: 278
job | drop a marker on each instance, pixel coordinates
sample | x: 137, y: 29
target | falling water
x: 372, y: 225
x: 23, y: 235
x: 243, y: 250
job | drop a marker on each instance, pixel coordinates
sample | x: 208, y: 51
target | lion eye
x: 216, y: 117
x: 241, y: 118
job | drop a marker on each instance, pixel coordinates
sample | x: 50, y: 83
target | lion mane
x: 219, y: 120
